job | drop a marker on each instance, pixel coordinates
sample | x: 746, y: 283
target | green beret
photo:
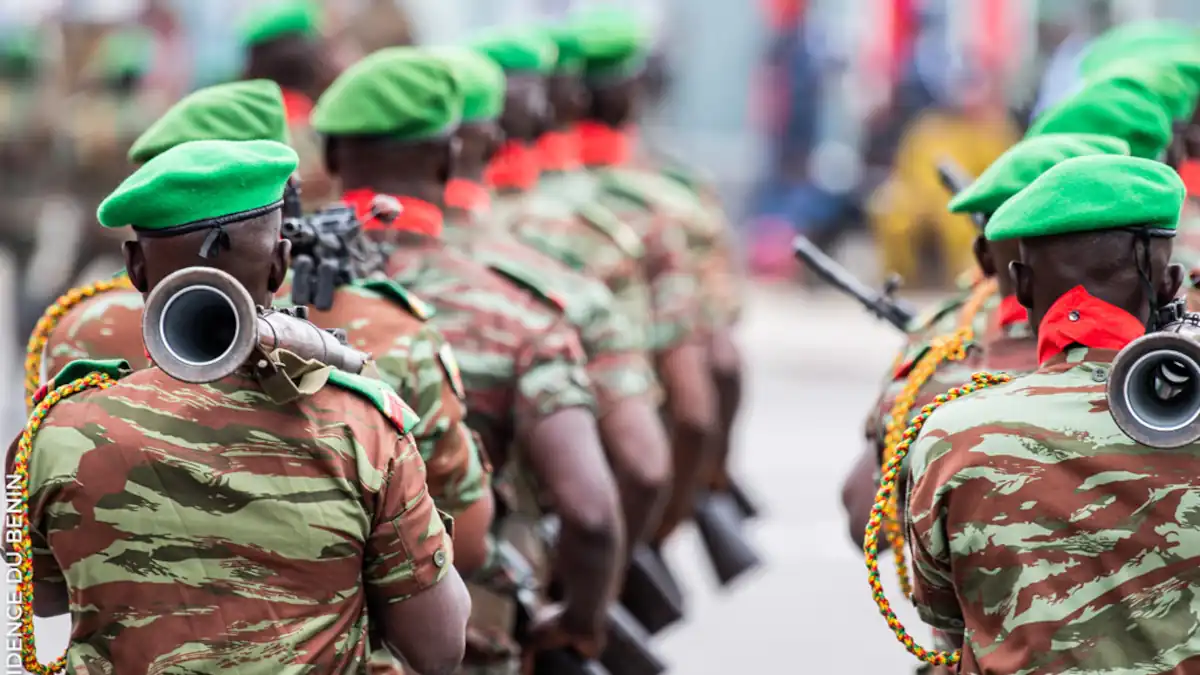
x: 524, y: 51
x: 1087, y: 194
x: 1024, y: 162
x: 1175, y: 82
x: 239, y: 111
x: 1140, y: 40
x: 480, y: 79
x: 614, y: 43
x: 1124, y: 109
x: 403, y: 92
x: 124, y: 53
x: 194, y: 183
x: 279, y: 19
x: 570, y: 49
x: 20, y: 51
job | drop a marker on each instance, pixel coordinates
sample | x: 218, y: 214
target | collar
x: 467, y: 195
x: 297, y: 107
x: 416, y: 215
x: 602, y: 145
x: 1189, y: 172
x: 1010, y: 312
x: 559, y: 150
x: 1080, y: 318
x: 513, y: 169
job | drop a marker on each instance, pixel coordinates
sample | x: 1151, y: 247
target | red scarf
x: 1080, y: 318
x: 467, y: 195
x: 601, y: 145
x: 416, y: 215
x: 297, y: 107
x: 559, y: 151
x: 1010, y: 311
x: 515, y: 167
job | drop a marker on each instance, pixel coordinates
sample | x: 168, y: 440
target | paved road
x: 815, y: 362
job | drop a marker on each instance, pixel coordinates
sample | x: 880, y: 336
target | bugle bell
x: 1154, y: 389
x: 200, y: 325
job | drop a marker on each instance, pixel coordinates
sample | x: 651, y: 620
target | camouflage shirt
x: 107, y: 325
x: 408, y: 356
x: 584, y: 237
x: 413, y: 359
x: 616, y: 350
x: 207, y: 529
x: 1055, y: 542
x: 667, y: 265
x: 521, y: 361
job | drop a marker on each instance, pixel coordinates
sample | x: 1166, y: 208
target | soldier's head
x: 527, y: 58
x: 282, y: 42
x: 389, y: 124
x: 1012, y: 172
x: 1102, y: 222
x: 614, y: 45
x: 207, y: 203
x: 566, y: 90
x: 123, y: 58
x: 482, y: 83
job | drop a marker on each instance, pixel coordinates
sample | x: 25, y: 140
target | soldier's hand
x: 550, y: 630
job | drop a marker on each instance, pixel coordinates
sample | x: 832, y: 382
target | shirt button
x: 1073, y: 316
x: 1099, y: 375
x: 439, y: 558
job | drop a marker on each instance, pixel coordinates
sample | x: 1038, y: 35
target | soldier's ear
x: 983, y: 256
x: 1022, y: 278
x: 281, y: 258
x: 1171, y: 282
x: 135, y: 265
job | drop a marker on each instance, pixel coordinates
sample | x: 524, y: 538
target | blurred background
x: 825, y: 117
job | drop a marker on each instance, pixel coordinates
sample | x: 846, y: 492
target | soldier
x: 363, y: 494
x: 992, y: 334
x: 618, y: 365
x: 389, y: 124
x: 283, y: 43
x: 1032, y: 560
x: 379, y: 318
x: 658, y: 209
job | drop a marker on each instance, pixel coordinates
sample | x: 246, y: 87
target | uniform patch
x: 394, y: 291
x: 450, y: 365
x: 523, y: 279
x: 380, y: 395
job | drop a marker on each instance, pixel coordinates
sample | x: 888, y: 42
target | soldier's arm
x: 457, y: 472
x: 417, y: 600
x: 929, y: 489
x: 557, y: 428
x: 50, y: 594
x: 630, y: 427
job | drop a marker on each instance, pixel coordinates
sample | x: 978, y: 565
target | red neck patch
x: 1080, y: 318
x: 601, y: 145
x: 416, y: 215
x: 467, y: 195
x: 514, y: 168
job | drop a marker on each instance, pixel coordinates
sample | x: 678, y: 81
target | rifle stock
x: 747, y: 507
x: 626, y: 652
x: 955, y: 180
x: 879, y: 304
x: 718, y: 520
x: 651, y: 593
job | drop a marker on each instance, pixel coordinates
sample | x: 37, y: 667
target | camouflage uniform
x: 521, y: 362
x: 584, y: 237
x: 1057, y: 543
x: 173, y: 514
x: 615, y: 344
x: 409, y: 356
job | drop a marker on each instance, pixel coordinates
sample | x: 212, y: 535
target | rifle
x: 328, y: 251
x: 746, y: 506
x: 650, y: 592
x: 719, y: 521
x: 523, y: 585
x: 955, y: 179
x: 881, y: 304
x: 628, y: 651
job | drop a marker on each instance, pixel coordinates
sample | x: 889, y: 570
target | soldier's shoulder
x: 649, y: 189
x: 378, y: 395
x: 536, y: 284
x: 80, y: 372
x: 395, y: 292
